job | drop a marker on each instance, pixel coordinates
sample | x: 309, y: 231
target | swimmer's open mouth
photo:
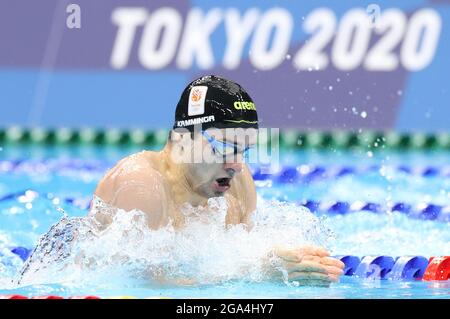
x: 223, y: 182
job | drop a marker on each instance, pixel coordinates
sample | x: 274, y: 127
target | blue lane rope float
x: 424, y: 211
x: 385, y: 267
x: 374, y: 267
x: 408, y: 267
x: 309, y: 173
x: 351, y: 263
x: 287, y: 174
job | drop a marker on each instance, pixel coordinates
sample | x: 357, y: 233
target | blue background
x: 102, y: 97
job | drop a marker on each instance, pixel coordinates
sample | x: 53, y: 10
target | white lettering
x: 195, y: 41
x: 165, y: 24
x: 127, y: 19
x: 73, y: 20
x: 238, y: 30
x: 195, y: 121
x: 280, y: 21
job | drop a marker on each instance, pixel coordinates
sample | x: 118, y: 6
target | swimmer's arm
x: 241, y: 199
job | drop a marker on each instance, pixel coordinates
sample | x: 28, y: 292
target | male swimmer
x: 216, y: 119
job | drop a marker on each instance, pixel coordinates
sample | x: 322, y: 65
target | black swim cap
x: 212, y: 101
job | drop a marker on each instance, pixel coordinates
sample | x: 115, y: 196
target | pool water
x: 41, y: 186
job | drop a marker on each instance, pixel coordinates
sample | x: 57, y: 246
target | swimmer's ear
x: 174, y: 136
x: 181, y: 146
x: 177, y: 136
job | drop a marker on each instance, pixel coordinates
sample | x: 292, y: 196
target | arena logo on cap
x: 244, y: 106
x: 197, y: 98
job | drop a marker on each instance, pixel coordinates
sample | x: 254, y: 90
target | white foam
x: 76, y: 251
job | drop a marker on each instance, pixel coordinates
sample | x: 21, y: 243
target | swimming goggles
x: 225, y: 149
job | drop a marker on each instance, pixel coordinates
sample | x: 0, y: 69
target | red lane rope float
x: 47, y: 297
x: 13, y: 297
x: 438, y: 269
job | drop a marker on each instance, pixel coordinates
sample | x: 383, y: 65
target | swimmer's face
x: 212, y: 175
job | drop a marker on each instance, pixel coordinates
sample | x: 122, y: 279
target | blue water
x: 53, y: 174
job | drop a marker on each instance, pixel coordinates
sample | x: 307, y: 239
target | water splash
x: 80, y: 250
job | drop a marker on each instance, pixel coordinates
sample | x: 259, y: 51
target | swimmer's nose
x: 232, y: 168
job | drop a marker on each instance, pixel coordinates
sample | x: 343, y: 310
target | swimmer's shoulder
x: 134, y: 183
x: 137, y: 170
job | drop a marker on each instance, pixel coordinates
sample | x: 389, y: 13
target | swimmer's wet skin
x: 216, y: 118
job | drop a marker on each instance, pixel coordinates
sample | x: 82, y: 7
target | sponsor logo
x: 245, y: 106
x: 195, y: 121
x: 197, y: 97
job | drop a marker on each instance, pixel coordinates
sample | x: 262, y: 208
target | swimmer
x: 215, y: 125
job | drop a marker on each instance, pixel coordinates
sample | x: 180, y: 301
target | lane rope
x: 423, y: 210
x: 286, y: 174
x: 375, y: 267
x: 289, y: 138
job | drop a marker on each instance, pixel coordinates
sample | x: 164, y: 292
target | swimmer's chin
x: 216, y: 193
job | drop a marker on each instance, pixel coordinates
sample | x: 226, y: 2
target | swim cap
x: 212, y: 101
